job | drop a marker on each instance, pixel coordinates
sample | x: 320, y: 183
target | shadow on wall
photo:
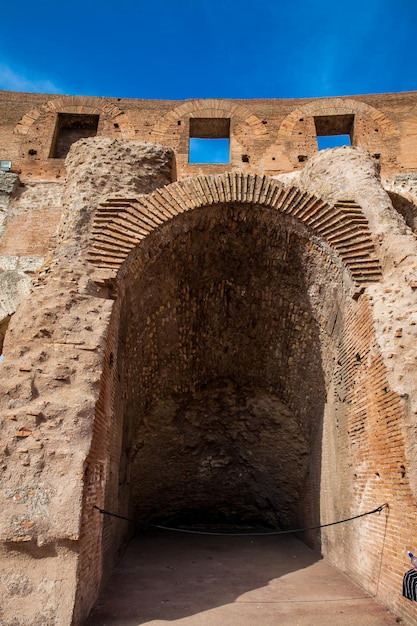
x: 406, y: 208
x: 3, y: 329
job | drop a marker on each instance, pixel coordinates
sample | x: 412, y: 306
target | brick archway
x: 120, y: 224
x: 77, y: 104
x: 209, y: 108
x: 158, y: 346
x: 336, y: 106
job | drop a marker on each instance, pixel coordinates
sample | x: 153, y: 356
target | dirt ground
x: 198, y: 580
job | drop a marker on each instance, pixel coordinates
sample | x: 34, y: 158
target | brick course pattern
x: 204, y: 343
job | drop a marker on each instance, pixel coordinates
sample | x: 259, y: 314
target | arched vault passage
x: 222, y: 316
x: 121, y: 223
x: 230, y: 289
x: 231, y: 353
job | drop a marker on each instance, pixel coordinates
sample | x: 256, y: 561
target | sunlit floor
x: 196, y: 580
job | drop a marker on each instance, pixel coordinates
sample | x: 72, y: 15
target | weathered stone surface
x: 407, y: 180
x: 14, y: 286
x: 50, y: 397
x: 351, y: 173
x: 99, y: 168
x: 8, y: 182
x: 226, y: 349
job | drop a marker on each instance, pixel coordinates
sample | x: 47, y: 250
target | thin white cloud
x: 14, y: 81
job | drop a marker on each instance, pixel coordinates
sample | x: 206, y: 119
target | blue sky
x: 163, y: 49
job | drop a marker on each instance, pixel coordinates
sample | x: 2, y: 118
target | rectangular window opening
x: 333, y: 141
x: 209, y: 140
x: 334, y: 130
x: 70, y: 127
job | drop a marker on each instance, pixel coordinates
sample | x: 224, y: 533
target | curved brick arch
x: 209, y: 108
x: 77, y: 104
x: 335, y: 106
x: 121, y: 224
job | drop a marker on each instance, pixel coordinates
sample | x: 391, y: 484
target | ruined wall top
x: 262, y: 136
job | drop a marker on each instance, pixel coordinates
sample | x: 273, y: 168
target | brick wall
x: 364, y: 465
x: 266, y: 136
x: 235, y: 296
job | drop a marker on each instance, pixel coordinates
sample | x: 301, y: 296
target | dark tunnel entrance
x: 224, y: 455
x: 219, y: 362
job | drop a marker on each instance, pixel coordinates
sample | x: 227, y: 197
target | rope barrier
x: 259, y: 534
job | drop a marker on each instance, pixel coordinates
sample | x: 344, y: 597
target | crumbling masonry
x: 228, y: 341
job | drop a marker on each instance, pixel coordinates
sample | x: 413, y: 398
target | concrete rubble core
x: 250, y: 335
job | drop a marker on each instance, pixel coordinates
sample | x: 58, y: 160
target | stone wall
x: 50, y: 387
x: 257, y: 334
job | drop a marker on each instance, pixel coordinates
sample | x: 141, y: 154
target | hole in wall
x: 205, y: 151
x: 209, y: 140
x: 333, y: 141
x: 69, y: 128
x: 333, y: 131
